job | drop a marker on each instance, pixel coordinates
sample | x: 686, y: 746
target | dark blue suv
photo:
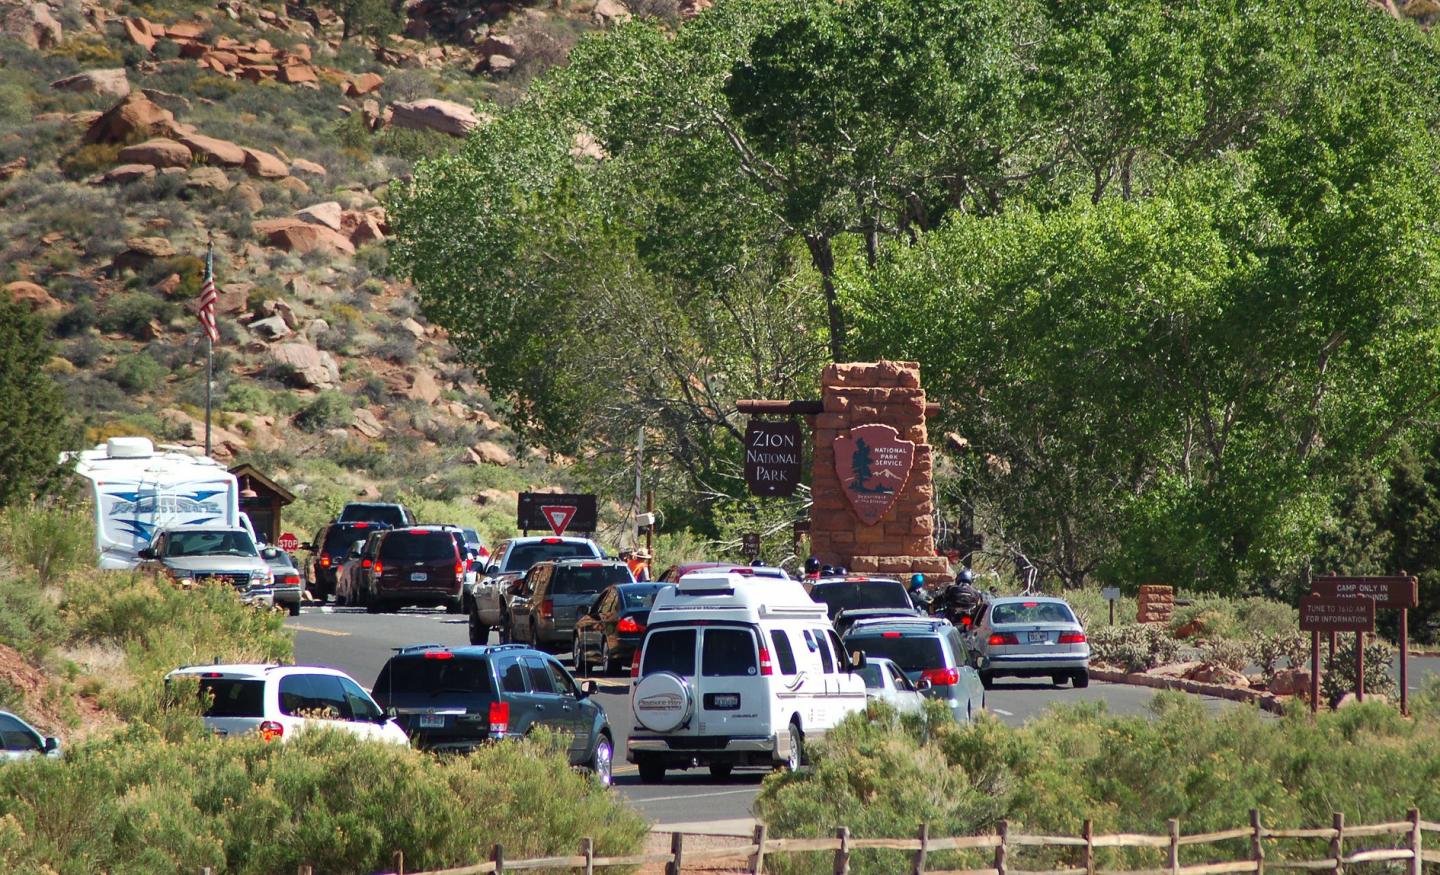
x: 455, y: 699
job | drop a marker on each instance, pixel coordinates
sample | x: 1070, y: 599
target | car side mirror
x: 923, y: 684
x: 52, y: 745
x: 307, y: 547
x: 588, y: 689
x: 147, y: 553
x: 492, y: 569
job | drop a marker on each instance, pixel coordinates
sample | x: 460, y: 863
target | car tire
x: 797, y: 749
x: 577, y: 657
x: 602, y: 761
x: 607, y: 662
x: 1058, y: 679
x: 479, y: 632
x: 341, y: 601
x: 455, y: 607
x: 505, y: 636
x: 294, y: 608
x: 652, y: 769
x: 721, y: 771
x: 987, y: 680
x: 373, y: 605
x: 1081, y: 679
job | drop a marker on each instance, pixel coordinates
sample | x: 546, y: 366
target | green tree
x: 32, y: 430
x: 373, y: 18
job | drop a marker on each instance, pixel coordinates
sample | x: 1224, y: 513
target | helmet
x: 917, y: 581
x: 966, y: 576
x: 812, y: 565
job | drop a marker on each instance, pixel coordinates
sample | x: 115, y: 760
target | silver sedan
x: 1030, y: 636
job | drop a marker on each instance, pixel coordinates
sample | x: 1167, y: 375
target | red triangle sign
x: 558, y: 516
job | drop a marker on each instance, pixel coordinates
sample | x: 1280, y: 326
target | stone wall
x: 1156, y: 604
x: 902, y: 542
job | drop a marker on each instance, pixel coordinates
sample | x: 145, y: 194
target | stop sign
x: 288, y: 542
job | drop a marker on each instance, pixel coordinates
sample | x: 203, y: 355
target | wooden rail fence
x: 1408, y: 834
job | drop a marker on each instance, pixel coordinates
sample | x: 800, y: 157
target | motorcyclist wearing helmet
x: 919, y: 596
x: 812, y: 568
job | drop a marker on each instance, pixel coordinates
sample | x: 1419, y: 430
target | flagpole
x: 209, y: 347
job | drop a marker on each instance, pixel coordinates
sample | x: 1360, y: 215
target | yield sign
x: 558, y: 516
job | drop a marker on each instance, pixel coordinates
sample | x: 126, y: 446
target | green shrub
x: 132, y: 313
x: 137, y: 372
x: 1270, y: 649
x: 1133, y: 647
x: 48, y: 539
x: 28, y: 621
x: 1223, y: 652
x: 328, y: 410
x: 1338, y: 675
x: 138, y: 805
x: 86, y: 161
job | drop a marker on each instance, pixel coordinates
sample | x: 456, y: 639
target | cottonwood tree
x: 32, y: 430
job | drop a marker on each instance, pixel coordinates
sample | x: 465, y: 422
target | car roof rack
x: 494, y: 647
x: 417, y: 648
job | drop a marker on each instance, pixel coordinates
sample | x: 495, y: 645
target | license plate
x: 1039, y: 637
x: 724, y: 701
x: 432, y: 721
x: 419, y: 575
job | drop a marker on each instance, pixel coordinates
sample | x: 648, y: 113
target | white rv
x: 738, y: 668
x: 139, y: 490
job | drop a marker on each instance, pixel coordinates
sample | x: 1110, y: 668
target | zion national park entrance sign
x: 873, y: 499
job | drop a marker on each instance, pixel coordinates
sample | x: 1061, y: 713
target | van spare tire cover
x: 662, y: 702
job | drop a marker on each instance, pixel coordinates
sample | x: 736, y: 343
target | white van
x: 738, y: 668
x: 138, y: 491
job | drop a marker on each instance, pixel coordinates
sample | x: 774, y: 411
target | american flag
x: 208, y: 297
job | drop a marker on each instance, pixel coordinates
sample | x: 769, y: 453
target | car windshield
x: 421, y: 675
x: 860, y: 595
x: 339, y: 538
x: 232, y: 697
x: 418, y: 547
x: 1030, y: 612
x: 472, y: 537
x: 389, y: 514
x: 522, y: 556
x: 588, y: 580
x: 911, y: 652
x: 234, y: 543
x: 639, y: 598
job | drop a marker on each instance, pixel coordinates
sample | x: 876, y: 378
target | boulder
x: 423, y: 387
x: 32, y: 296
x: 153, y: 247
x: 168, y: 100
x: 133, y: 118
x: 157, y: 152
x: 127, y: 173
x: 327, y: 214
x: 366, y: 424
x: 300, y: 165
x: 444, y: 116
x: 246, y: 195
x: 499, y: 44
x: 499, y: 64
x: 109, y: 82
x: 210, y: 150
x: 490, y: 453
x: 365, y: 83
x: 273, y: 328
x: 361, y: 228
x: 295, y: 184
x: 1217, y: 674
x: 610, y: 11
x: 33, y: 25
x: 300, y: 236
x: 311, y: 367
x: 138, y: 32
x: 208, y: 178
x: 264, y: 165
x: 11, y: 169
x: 295, y: 74
x: 1290, y: 682
x: 415, y: 329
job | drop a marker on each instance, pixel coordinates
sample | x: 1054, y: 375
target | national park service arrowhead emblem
x: 873, y: 463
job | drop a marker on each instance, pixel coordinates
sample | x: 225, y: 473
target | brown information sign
x: 1322, y: 614
x: 1387, y: 592
x: 772, y: 457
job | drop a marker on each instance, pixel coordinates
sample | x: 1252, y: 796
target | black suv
x: 327, y: 552
x: 455, y: 699
x: 392, y: 515
x: 850, y: 599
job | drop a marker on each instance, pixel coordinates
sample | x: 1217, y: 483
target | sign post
x: 1400, y: 591
x: 1319, y: 613
x: 750, y: 545
x: 1111, y: 594
x: 772, y: 457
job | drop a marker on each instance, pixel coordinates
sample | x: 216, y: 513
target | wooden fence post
x: 917, y: 866
x: 677, y: 852
x: 1000, y: 863
x: 842, y: 853
x: 587, y: 850
x: 206, y: 870
x: 1172, y: 859
x: 399, y: 863
x: 757, y: 860
x: 1415, y: 842
x: 497, y: 856
x: 1257, y: 845
x: 1088, y: 833
x: 1337, y: 843
x: 305, y: 869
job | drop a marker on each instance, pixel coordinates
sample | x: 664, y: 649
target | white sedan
x: 885, y: 682
x: 1030, y: 636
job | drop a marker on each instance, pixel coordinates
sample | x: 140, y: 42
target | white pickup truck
x: 512, y: 559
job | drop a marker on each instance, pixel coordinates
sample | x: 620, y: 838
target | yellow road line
x: 331, y: 632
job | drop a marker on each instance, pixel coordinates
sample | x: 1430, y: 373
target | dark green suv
x: 455, y: 699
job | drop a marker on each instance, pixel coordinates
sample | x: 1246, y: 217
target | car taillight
x: 439, y: 654
x: 1072, y: 638
x: 460, y: 568
x: 635, y: 664
x: 270, y: 730
x: 324, y: 561
x: 378, y: 567
x: 628, y: 624
x: 766, y: 669
x: 1000, y: 638
x: 499, y: 718
x: 294, y: 580
x: 365, y: 563
x: 547, y: 609
x: 941, y: 677
x: 889, y: 634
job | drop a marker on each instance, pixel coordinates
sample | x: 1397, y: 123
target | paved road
x: 360, y: 643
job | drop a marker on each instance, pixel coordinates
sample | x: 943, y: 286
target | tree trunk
x: 823, y: 258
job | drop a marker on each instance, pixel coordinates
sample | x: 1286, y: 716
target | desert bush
x: 1268, y: 649
x: 51, y: 540
x: 327, y: 410
x: 137, y: 372
x: 132, y: 313
x: 28, y: 621
x: 247, y: 806
x: 86, y: 161
x: 1093, y: 610
x: 1133, y: 647
x: 1338, y: 675
x: 1226, y: 653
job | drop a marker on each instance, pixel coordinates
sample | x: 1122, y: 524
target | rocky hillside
x: 131, y: 134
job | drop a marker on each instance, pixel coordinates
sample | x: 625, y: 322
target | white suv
x: 278, y: 701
